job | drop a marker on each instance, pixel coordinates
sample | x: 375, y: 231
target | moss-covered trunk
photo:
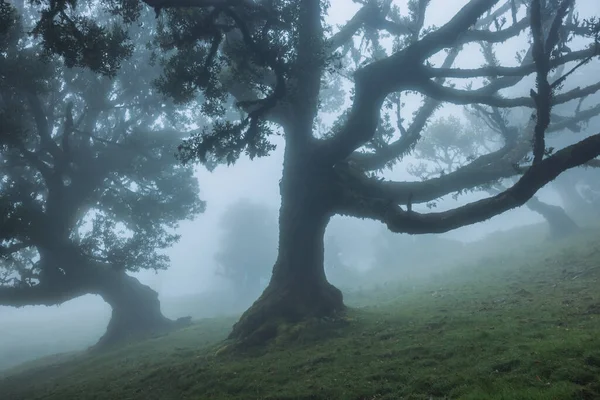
x: 136, y: 312
x: 298, y: 289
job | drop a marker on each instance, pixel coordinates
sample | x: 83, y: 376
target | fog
x: 191, y: 285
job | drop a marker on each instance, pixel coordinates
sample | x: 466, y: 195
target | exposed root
x: 288, y: 314
x: 120, y: 333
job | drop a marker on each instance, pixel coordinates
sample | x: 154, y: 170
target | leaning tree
x: 276, y: 59
x: 89, y: 189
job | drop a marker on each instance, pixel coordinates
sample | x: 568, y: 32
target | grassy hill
x: 520, y: 323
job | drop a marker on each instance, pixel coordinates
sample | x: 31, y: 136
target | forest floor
x: 522, y: 325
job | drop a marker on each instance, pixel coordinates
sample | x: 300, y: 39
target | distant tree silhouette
x: 248, y: 247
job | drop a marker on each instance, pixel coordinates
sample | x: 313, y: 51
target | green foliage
x: 87, y: 161
x: 520, y: 326
x: 206, y: 50
x: 81, y: 40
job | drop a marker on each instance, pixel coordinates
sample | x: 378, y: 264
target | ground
x: 523, y: 325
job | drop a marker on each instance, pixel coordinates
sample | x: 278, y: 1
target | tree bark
x: 298, y: 289
x: 136, y: 312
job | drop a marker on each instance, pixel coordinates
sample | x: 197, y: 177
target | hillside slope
x: 523, y: 325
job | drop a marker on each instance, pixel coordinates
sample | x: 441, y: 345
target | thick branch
x: 593, y: 163
x: 409, y: 138
x: 367, y: 15
x: 536, y: 177
x: 481, y: 96
x: 484, y: 169
x: 6, y: 251
x: 520, y: 71
x: 39, y: 295
x: 399, y: 71
x: 200, y: 3
x: 308, y: 67
x: 44, y: 130
x: 494, y: 37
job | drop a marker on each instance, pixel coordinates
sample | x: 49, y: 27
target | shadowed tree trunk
x: 136, y: 312
x: 298, y: 289
x: 572, y: 201
x: 135, y: 309
x: 558, y: 220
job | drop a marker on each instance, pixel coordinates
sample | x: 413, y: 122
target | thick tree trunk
x: 298, y: 289
x: 558, y: 220
x: 135, y: 307
x: 582, y: 211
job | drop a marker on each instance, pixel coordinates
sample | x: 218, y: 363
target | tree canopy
x: 90, y: 186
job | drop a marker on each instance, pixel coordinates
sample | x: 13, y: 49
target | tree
x: 248, y: 248
x: 448, y: 145
x: 275, y: 58
x: 89, y: 190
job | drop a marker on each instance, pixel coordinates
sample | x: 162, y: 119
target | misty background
x: 191, y: 285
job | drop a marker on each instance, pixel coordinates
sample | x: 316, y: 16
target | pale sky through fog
x: 80, y: 322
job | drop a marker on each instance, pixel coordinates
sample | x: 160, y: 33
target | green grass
x: 526, y: 325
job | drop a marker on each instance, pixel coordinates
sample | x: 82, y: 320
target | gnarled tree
x: 275, y: 58
x: 89, y: 190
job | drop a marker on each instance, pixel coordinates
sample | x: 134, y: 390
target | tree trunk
x: 558, y: 220
x: 298, y: 289
x: 135, y: 307
x: 573, y: 203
